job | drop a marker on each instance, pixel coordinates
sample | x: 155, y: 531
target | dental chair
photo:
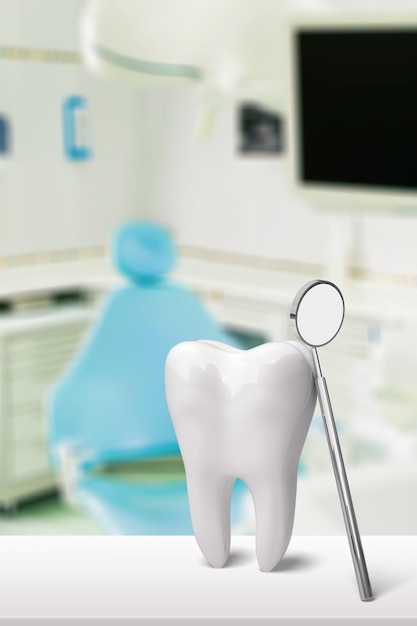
x: 111, y: 439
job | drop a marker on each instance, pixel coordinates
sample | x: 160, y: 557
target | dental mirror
x: 316, y: 316
x: 317, y: 313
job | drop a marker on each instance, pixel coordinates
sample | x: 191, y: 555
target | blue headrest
x: 143, y: 251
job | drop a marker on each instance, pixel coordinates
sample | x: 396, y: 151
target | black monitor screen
x: 357, y: 107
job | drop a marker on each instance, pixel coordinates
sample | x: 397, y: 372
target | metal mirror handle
x: 345, y: 497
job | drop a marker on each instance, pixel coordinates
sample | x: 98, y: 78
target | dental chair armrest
x: 72, y: 461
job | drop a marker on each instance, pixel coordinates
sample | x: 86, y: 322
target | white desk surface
x: 154, y: 580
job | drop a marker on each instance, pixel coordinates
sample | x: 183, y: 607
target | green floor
x: 48, y: 516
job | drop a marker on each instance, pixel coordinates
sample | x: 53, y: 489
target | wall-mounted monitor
x: 352, y: 114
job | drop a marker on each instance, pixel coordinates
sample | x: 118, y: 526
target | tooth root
x: 274, y: 500
x: 209, y: 501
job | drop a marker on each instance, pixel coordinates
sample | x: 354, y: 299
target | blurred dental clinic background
x: 88, y: 146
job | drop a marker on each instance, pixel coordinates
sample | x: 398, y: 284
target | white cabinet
x: 35, y: 348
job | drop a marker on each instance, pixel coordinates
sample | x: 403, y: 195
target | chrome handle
x: 345, y: 497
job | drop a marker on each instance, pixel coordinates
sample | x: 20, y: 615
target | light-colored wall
x: 214, y: 197
x: 147, y: 163
x: 48, y: 202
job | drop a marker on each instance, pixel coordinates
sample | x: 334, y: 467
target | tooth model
x: 241, y: 414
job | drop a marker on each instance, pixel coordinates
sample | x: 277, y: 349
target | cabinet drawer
x: 15, y: 411
x: 27, y: 426
x: 34, y: 356
x: 27, y: 390
x: 34, y: 361
x: 33, y: 344
x: 27, y: 462
x: 45, y: 361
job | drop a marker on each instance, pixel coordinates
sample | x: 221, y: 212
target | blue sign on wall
x: 76, y: 128
x: 5, y: 136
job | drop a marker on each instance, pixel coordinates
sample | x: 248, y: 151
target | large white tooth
x: 241, y: 414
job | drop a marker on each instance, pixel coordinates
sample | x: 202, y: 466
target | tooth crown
x: 241, y: 414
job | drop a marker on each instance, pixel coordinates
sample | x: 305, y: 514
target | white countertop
x: 163, y: 579
x: 27, y: 280
x: 267, y: 286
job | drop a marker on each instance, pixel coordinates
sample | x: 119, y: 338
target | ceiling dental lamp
x: 231, y: 47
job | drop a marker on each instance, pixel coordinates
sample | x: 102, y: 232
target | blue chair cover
x: 110, y: 405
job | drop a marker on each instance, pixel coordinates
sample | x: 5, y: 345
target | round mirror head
x: 317, y: 313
